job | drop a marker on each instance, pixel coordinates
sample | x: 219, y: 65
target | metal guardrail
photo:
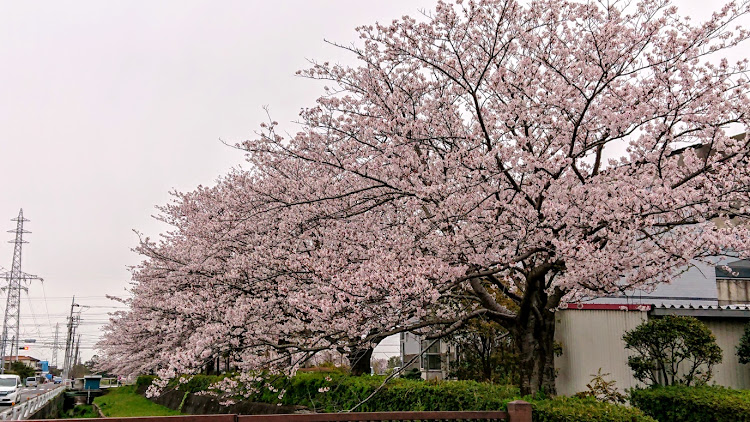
x: 25, y: 409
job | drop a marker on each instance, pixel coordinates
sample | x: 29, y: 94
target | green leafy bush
x: 743, y: 349
x: 81, y: 411
x: 412, y: 374
x: 194, y: 384
x: 602, y: 390
x: 143, y: 381
x: 197, y: 382
x: 22, y: 370
x: 572, y: 409
x: 672, y: 350
x: 693, y: 404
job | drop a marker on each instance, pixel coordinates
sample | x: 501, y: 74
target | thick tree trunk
x: 359, y: 359
x: 536, y: 352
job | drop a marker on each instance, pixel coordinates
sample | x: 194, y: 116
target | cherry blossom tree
x: 462, y: 167
x: 479, y: 140
x: 226, y: 282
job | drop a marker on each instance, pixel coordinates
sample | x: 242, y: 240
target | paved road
x: 30, y: 392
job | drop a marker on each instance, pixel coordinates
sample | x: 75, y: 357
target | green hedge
x: 198, y: 383
x: 400, y: 394
x: 195, y: 384
x: 403, y: 395
x: 344, y: 392
x: 678, y: 403
x: 143, y: 381
x: 573, y: 409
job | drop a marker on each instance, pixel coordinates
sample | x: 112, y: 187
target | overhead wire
x: 44, y: 292
x: 33, y: 316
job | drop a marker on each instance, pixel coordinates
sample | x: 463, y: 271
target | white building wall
x: 592, y: 339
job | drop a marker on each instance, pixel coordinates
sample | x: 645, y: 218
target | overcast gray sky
x: 106, y: 106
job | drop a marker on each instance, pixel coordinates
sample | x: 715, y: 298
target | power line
x: 69, y: 297
x: 33, y: 316
x: 44, y: 292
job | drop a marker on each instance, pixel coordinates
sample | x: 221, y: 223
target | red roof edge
x: 605, y: 307
x: 22, y: 357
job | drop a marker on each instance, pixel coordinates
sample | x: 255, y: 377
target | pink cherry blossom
x: 460, y: 170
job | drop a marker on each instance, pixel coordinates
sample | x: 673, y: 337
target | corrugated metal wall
x: 592, y: 339
x: 730, y: 373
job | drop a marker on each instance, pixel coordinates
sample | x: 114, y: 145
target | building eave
x: 703, y: 311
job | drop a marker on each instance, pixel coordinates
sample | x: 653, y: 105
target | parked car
x: 57, y: 380
x: 9, y: 388
x: 32, y: 381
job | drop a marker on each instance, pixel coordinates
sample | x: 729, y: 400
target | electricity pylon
x: 12, y: 320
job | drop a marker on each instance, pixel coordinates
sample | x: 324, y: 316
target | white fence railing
x: 25, y: 409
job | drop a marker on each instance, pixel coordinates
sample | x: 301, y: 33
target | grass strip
x: 124, y: 401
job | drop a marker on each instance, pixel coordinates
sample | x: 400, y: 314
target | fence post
x: 519, y: 411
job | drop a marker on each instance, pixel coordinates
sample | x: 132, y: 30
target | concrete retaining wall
x: 52, y: 410
x: 204, y: 405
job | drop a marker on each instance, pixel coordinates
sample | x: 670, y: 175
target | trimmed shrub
x: 572, y: 409
x: 672, y: 350
x: 693, y: 404
x: 743, y: 349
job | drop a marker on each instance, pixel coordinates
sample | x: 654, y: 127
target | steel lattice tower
x: 12, y: 320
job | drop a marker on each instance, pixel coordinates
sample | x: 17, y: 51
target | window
x: 431, y: 358
x: 734, y: 270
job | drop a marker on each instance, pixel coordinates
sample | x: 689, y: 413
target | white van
x: 10, y: 386
x: 32, y: 381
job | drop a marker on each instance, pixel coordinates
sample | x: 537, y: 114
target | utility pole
x: 69, y: 341
x: 55, y: 346
x: 12, y: 320
x: 77, y: 360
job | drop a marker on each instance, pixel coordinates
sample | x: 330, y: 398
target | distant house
x: 434, y: 363
x: 590, y: 333
x: 26, y: 360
